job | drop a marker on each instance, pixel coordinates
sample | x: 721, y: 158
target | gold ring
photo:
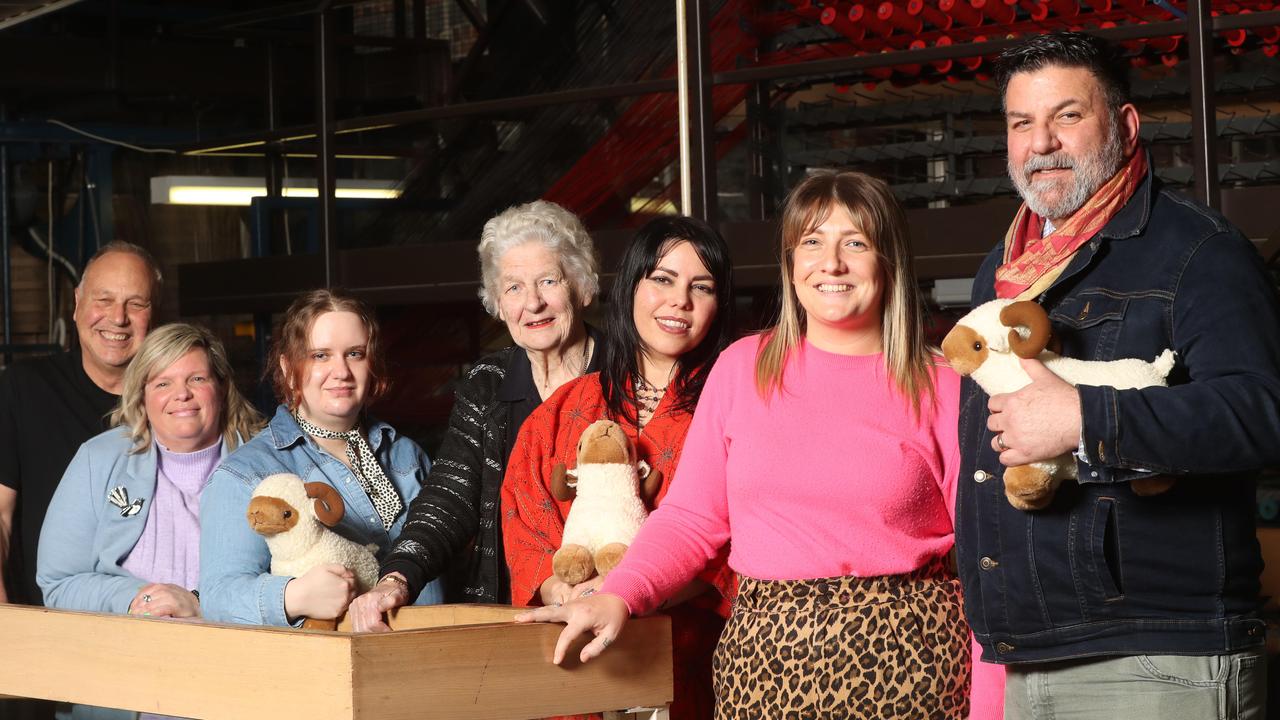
x: 1000, y: 441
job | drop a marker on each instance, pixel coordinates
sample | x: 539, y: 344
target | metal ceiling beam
x: 41, y: 10
x: 254, y: 17
x: 481, y: 107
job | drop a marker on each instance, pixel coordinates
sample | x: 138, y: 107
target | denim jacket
x: 236, y: 584
x: 86, y: 537
x: 1102, y: 571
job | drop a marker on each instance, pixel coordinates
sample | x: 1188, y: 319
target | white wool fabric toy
x: 987, y: 344
x: 608, y: 502
x: 296, y: 518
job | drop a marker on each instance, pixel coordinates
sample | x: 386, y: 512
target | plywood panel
x: 171, y: 667
x: 491, y: 672
x: 416, y: 617
x: 471, y: 662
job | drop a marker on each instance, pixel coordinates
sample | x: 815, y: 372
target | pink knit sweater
x: 835, y: 476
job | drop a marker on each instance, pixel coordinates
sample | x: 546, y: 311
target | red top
x: 533, y: 520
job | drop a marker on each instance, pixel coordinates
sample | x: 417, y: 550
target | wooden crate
x: 457, y: 661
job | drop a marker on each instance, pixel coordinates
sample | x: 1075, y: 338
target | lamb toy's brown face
x: 604, y: 442
x: 1029, y: 333
x: 270, y: 516
x: 965, y: 349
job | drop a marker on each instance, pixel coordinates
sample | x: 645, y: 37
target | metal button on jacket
x: 987, y: 563
x: 981, y: 475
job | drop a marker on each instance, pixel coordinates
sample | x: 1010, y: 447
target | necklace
x: 648, y: 396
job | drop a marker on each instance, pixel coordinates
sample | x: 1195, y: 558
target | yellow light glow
x: 230, y: 191
x: 653, y: 205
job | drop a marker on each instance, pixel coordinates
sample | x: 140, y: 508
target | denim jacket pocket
x: 1095, y: 557
x: 1088, y: 325
x: 1104, y: 548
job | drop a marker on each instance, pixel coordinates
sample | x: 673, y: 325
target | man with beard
x: 1106, y: 603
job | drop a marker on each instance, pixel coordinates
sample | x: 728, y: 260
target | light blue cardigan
x: 86, y: 536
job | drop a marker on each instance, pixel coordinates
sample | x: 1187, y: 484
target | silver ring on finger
x: 604, y: 641
x: 1000, y: 441
x: 146, y: 598
x: 588, y: 591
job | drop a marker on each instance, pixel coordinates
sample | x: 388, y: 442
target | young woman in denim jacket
x: 329, y: 370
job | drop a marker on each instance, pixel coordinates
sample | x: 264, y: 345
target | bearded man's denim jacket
x: 1102, y: 571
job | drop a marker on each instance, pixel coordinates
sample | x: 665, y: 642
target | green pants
x: 1168, y: 687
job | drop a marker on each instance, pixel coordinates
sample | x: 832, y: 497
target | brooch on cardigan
x: 120, y: 498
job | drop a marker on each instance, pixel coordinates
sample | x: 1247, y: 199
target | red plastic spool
x: 1035, y: 10
x: 943, y: 66
x: 841, y: 24
x: 911, y: 69
x: 1234, y: 38
x: 962, y: 11
x: 898, y: 17
x: 931, y: 14
x: 860, y: 15
x: 1065, y: 8
x: 994, y: 10
x: 975, y: 62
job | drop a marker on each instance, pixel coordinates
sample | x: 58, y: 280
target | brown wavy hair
x: 293, y: 336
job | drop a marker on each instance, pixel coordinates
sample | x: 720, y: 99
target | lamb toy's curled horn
x: 1030, y: 315
x: 329, y: 507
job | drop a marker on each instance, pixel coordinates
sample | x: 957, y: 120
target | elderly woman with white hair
x: 538, y: 273
x: 122, y: 534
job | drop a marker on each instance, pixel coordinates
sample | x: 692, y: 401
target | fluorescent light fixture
x: 658, y: 206
x: 206, y: 190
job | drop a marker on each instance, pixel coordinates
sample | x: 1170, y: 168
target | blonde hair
x: 163, y: 347
x: 871, y: 205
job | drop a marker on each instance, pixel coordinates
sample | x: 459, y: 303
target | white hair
x: 546, y: 222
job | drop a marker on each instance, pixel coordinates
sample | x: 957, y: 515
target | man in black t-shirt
x: 50, y: 405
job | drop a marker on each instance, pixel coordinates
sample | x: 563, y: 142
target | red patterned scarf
x: 1032, y: 263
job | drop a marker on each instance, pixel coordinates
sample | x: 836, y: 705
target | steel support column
x: 5, y: 259
x: 1204, y: 134
x: 758, y: 197
x: 697, y: 124
x: 272, y: 154
x: 325, y: 165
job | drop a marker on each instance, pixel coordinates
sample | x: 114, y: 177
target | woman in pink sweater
x: 824, y: 452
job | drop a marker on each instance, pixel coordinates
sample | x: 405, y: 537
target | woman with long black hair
x: 667, y: 321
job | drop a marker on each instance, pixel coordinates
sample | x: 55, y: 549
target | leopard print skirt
x: 895, y: 646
